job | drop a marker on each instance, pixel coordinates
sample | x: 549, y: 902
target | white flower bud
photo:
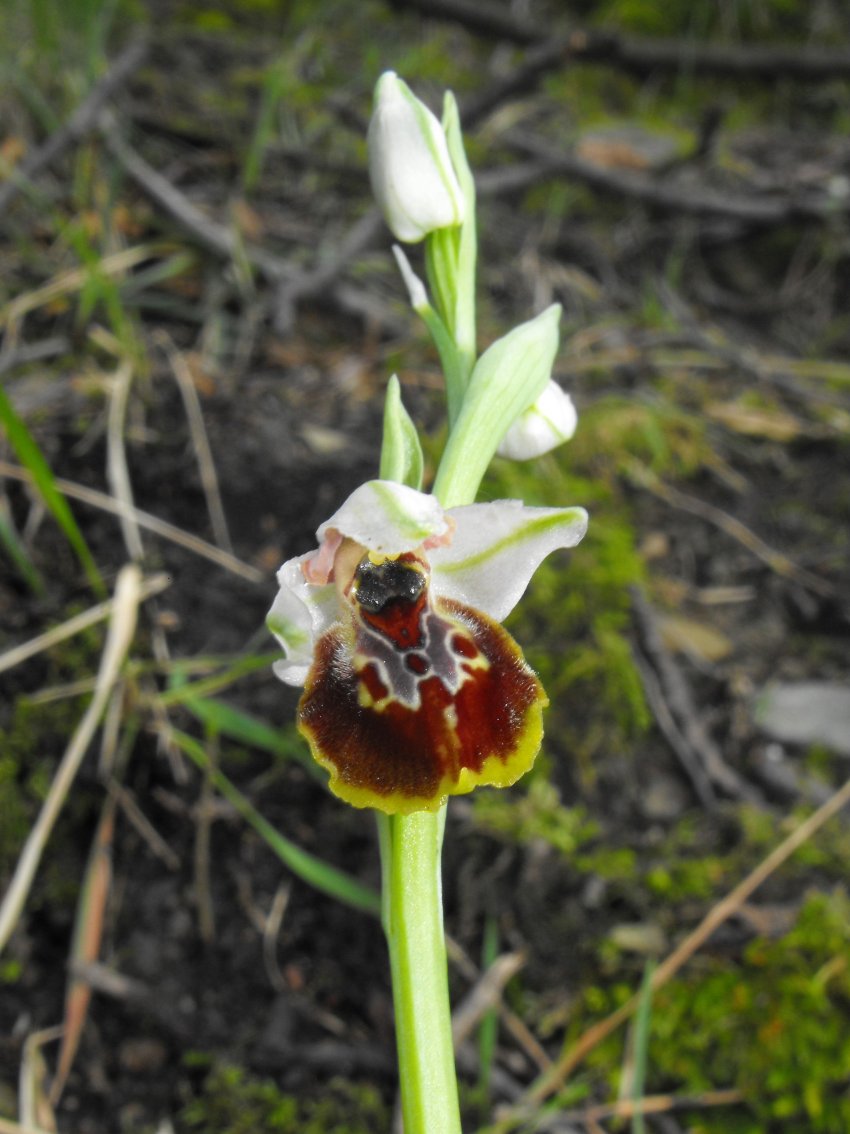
x: 549, y: 422
x: 412, y: 175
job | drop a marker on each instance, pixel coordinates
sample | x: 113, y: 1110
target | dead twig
x: 690, y: 761
x: 204, y: 813
x: 271, y: 932
x: 26, y: 353
x: 510, y: 1020
x: 484, y: 996
x: 137, y: 818
x: 671, y: 700
x: 82, y: 121
x: 777, y: 561
x: 649, y: 1104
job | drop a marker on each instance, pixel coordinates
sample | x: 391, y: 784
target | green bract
x: 508, y: 378
x: 401, y: 454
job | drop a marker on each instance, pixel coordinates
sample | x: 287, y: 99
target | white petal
x: 300, y: 613
x: 388, y: 518
x: 409, y: 164
x: 496, y: 549
x: 549, y: 422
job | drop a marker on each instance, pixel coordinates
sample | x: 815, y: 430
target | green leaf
x: 310, y: 869
x: 401, y: 452
x: 32, y: 459
x: 225, y: 720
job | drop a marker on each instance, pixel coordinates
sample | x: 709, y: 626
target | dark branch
x: 82, y: 121
x: 669, y: 194
x: 641, y: 56
x: 208, y: 233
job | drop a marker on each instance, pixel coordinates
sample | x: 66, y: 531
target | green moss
x: 536, y: 814
x: 233, y: 1102
x: 29, y: 751
x: 775, y: 1025
x: 771, y: 1023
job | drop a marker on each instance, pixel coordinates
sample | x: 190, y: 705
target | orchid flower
x: 413, y: 179
x: 412, y: 689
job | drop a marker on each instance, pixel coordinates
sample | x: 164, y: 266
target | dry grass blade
x: 18, y: 654
x: 715, y: 917
x: 34, y: 1108
x: 75, y: 278
x: 512, y: 1023
x: 88, y: 931
x: 271, y: 932
x: 484, y: 996
x: 7, y: 1126
x: 591, y: 1116
x: 198, y: 432
x: 119, y: 638
x: 116, y: 461
x: 145, y: 520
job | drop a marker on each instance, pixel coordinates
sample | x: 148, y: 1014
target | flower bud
x: 547, y: 423
x: 412, y: 176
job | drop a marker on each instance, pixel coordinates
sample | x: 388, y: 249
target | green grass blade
x: 314, y: 871
x: 32, y: 459
x: 274, y: 85
x: 18, y: 555
x: 182, y: 692
x: 225, y: 720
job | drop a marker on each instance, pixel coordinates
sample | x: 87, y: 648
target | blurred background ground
x: 200, y: 312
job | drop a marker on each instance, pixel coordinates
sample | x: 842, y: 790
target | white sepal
x: 299, y: 615
x: 495, y: 550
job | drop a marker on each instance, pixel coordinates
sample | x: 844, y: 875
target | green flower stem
x: 412, y: 915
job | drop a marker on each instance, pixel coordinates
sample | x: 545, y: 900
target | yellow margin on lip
x: 495, y: 771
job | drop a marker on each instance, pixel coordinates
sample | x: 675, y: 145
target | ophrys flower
x: 412, y: 689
